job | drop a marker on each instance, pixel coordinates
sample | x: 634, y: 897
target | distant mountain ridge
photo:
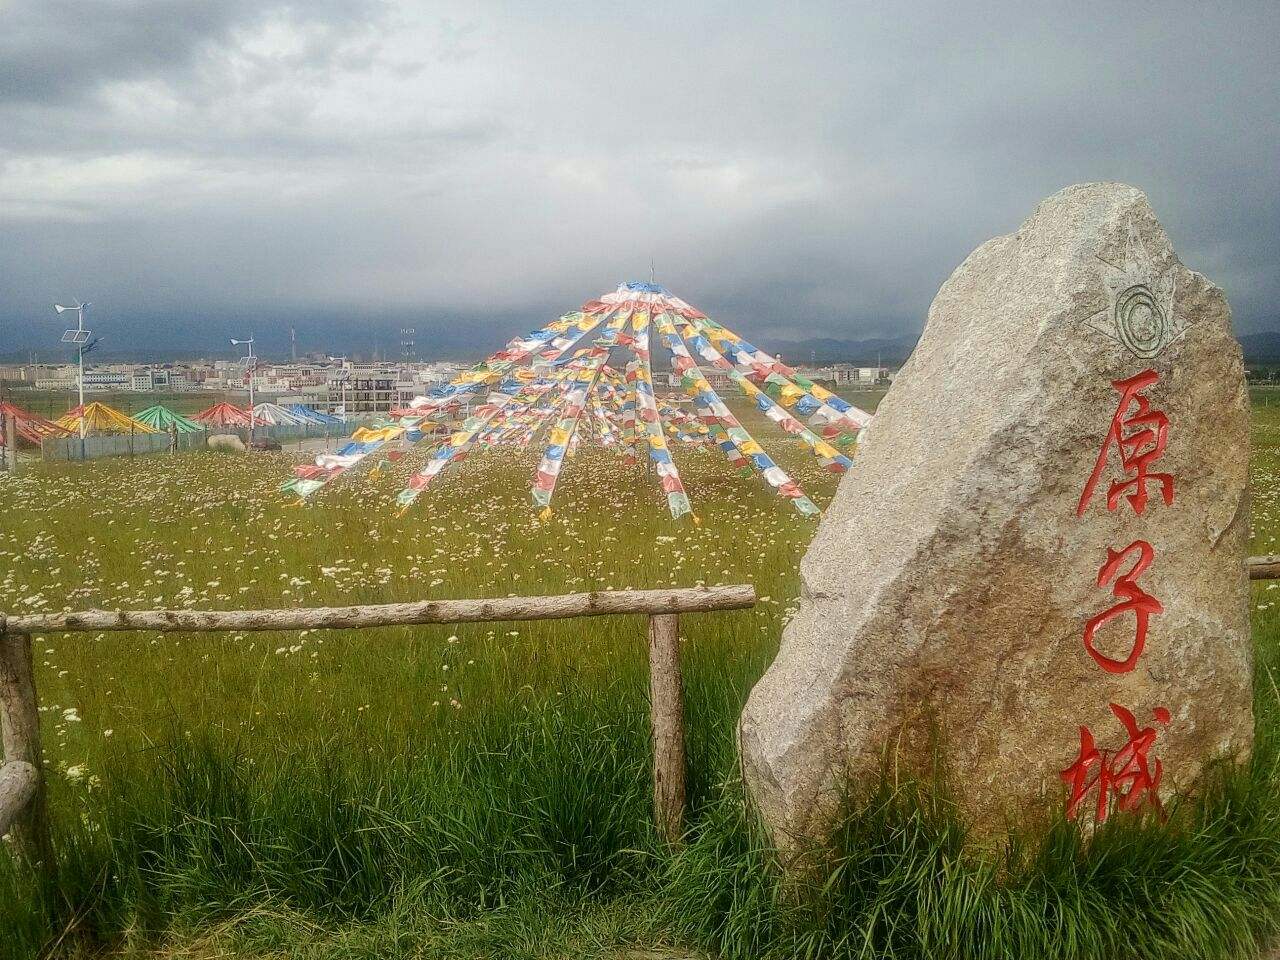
x: 1258, y: 348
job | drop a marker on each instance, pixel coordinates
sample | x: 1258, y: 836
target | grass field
x: 482, y: 791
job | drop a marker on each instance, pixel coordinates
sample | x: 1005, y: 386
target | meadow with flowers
x: 483, y: 790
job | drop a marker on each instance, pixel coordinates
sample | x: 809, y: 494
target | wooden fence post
x: 18, y: 783
x: 666, y: 694
x: 20, y: 713
x: 11, y: 442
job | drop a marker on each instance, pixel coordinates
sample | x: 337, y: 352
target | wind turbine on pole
x: 249, y: 363
x: 79, y: 336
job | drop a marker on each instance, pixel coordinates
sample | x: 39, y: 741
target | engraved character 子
x: 1129, y: 773
x: 1140, y: 437
x: 1132, y: 598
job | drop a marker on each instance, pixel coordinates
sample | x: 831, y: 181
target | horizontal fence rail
x: 23, y: 807
x: 1265, y: 568
x: 597, y: 604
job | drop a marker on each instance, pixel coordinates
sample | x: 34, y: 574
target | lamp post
x: 249, y: 363
x: 345, y: 376
x: 79, y: 336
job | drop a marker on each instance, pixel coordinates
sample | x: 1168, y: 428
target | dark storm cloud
x: 814, y: 170
x: 55, y: 51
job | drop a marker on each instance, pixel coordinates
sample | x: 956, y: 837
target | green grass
x: 483, y: 791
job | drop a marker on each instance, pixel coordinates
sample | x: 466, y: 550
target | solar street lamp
x: 79, y: 336
x: 343, y: 376
x: 249, y: 363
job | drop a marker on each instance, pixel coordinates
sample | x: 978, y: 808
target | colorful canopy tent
x: 30, y: 427
x: 163, y: 419
x: 225, y: 416
x: 311, y: 415
x: 274, y: 415
x: 542, y: 387
x: 100, y: 418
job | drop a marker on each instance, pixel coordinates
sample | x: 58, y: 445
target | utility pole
x: 249, y: 363
x: 79, y: 336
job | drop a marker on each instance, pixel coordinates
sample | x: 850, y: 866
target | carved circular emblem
x: 1140, y: 322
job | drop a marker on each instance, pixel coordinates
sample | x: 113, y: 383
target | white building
x: 106, y: 380
x: 159, y: 378
x: 362, y: 389
x: 54, y: 383
x: 848, y: 374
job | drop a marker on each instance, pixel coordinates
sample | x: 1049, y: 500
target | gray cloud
x: 814, y: 170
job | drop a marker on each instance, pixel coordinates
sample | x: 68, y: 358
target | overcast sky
x: 197, y: 167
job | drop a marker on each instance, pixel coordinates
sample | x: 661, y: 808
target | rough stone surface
x: 946, y: 593
x: 226, y: 442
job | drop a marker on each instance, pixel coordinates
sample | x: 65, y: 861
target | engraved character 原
x: 1140, y: 437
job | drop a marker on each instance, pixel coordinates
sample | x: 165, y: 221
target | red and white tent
x: 226, y: 415
x: 31, y: 428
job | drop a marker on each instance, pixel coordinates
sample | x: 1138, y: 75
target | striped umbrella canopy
x: 224, y: 415
x: 162, y: 418
x: 31, y: 428
x: 275, y: 415
x: 100, y: 418
x: 311, y: 414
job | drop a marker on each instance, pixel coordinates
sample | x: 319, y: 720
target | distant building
x: 818, y: 374
x: 846, y: 374
x: 106, y: 380
x: 364, y: 389
x: 159, y: 378
x: 54, y: 383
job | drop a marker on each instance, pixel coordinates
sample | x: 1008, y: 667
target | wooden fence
x: 23, y: 804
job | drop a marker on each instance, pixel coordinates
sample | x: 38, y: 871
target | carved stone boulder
x: 1033, y: 575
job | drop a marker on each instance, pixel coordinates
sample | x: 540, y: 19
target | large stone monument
x: 1034, y: 573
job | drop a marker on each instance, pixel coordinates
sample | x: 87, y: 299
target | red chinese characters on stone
x: 1128, y: 774
x: 1132, y: 599
x: 1140, y: 437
